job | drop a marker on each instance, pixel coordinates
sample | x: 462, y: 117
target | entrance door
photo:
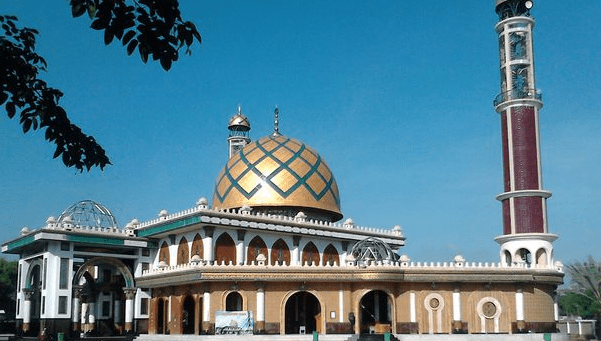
x: 303, y: 312
x: 188, y: 315
x: 376, y: 314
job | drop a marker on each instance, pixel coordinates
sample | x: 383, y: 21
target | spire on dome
x: 276, y: 122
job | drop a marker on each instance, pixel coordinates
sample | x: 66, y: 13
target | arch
x: 256, y: 247
x: 280, y: 253
x: 331, y: 256
x: 302, y: 309
x: 508, y: 260
x: 197, y: 247
x: 183, y: 255
x: 310, y: 254
x: 541, y: 258
x: 233, y: 301
x: 34, y: 275
x: 188, y: 315
x: 225, y: 249
x: 117, y: 264
x: 524, y: 256
x: 375, y: 312
x: 164, y: 253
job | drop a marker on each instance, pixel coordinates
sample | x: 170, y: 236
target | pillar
x: 130, y: 295
x: 206, y: 311
x: 27, y: 295
x: 412, y: 311
x: 76, y: 312
x: 207, y: 243
x: 260, y: 325
x: 519, y: 310
x: 240, y: 254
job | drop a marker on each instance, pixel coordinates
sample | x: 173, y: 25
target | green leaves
x: 155, y: 28
x: 21, y: 91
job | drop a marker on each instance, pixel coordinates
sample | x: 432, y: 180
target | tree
x: 574, y: 303
x: 153, y: 27
x: 586, y: 281
x: 8, y: 285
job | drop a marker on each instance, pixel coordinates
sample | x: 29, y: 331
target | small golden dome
x: 239, y: 122
x: 279, y: 174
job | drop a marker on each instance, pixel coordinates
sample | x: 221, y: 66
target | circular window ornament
x: 434, y: 303
x: 489, y: 309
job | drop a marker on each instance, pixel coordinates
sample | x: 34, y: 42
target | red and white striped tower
x: 525, y: 238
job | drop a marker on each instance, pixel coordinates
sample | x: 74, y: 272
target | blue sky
x: 397, y: 98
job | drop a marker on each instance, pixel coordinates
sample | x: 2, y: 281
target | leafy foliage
x: 36, y: 102
x: 587, y: 279
x: 8, y: 285
x: 154, y: 27
x: 575, y: 303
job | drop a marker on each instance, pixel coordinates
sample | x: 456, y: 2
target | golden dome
x: 278, y: 174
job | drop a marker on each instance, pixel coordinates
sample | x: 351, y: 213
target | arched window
x: 330, y: 256
x: 310, y: 254
x: 541, y: 258
x: 183, y: 255
x: 225, y: 249
x: 280, y: 253
x: 507, y: 258
x: 256, y: 247
x: 197, y: 247
x: 233, y: 302
x: 164, y: 253
x: 524, y: 256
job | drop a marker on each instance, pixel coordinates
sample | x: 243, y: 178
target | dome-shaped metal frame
x: 373, y: 249
x: 88, y: 213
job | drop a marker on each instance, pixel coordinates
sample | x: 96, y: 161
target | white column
x: 519, y: 305
x: 130, y: 295
x: 84, y: 314
x: 75, y: 312
x: 456, y: 306
x: 27, y: 310
x: 260, y: 304
x: 240, y: 252
x: 412, y: 311
x: 206, y: 306
x: 117, y: 318
x: 340, y: 305
x: 294, y: 260
x: 207, y: 245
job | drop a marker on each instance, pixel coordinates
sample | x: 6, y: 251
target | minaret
x: 525, y: 238
x: 239, y: 128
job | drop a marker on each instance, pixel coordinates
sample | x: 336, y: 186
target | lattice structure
x: 88, y: 213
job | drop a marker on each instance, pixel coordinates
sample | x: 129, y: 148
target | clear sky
x: 395, y: 95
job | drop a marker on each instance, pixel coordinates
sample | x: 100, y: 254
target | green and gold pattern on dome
x: 277, y: 171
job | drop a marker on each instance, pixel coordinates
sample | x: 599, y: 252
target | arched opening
x: 256, y: 247
x: 303, y: 313
x: 164, y: 253
x: 188, y: 315
x: 183, y: 255
x: 541, y: 258
x: 375, y: 312
x: 34, y: 287
x: 507, y: 258
x: 197, y: 247
x: 225, y: 249
x: 280, y: 253
x: 233, y: 302
x: 310, y: 254
x: 524, y: 256
x: 330, y: 256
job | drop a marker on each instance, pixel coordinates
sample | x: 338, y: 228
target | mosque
x: 271, y: 254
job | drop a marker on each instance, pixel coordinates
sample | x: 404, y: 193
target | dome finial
x: 276, y: 122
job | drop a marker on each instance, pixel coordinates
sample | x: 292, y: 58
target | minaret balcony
x: 518, y: 94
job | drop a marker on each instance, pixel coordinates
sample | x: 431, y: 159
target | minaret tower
x: 239, y: 127
x: 525, y: 240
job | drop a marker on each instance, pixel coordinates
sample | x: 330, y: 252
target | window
x: 65, y: 246
x: 62, y: 304
x: 64, y: 274
x: 43, y: 305
x: 144, y: 306
x: 106, y: 308
x: 145, y: 252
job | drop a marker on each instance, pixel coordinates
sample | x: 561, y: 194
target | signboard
x: 234, y: 322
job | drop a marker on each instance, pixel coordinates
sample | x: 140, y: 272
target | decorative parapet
x: 245, y: 213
